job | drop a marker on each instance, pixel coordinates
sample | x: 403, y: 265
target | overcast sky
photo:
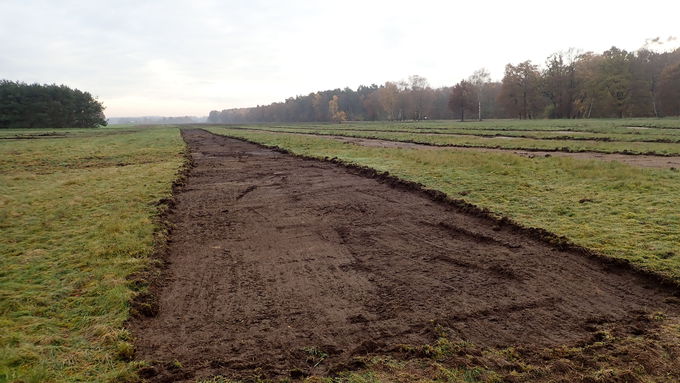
x: 176, y: 57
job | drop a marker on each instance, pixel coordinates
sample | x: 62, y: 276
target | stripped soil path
x: 275, y: 260
x: 639, y: 160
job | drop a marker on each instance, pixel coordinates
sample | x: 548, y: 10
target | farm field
x: 282, y: 268
x: 77, y: 216
x: 615, y: 209
x: 22, y: 134
x: 283, y: 192
x: 633, y: 136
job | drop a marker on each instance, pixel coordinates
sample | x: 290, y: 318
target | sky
x: 175, y: 58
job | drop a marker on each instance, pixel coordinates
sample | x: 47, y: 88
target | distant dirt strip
x: 640, y: 160
x: 273, y: 257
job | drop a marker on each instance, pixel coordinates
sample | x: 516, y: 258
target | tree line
x: 615, y: 83
x: 157, y: 120
x: 47, y: 106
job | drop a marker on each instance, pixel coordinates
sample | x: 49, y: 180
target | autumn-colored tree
x: 480, y: 79
x: 334, y: 111
x: 319, y: 108
x: 387, y: 95
x: 589, y: 92
x: 463, y: 98
x: 616, y: 79
x: 669, y: 90
x: 645, y: 68
x: 520, y: 92
x: 370, y: 104
x: 372, y: 107
x: 421, y: 97
x: 613, y: 83
x: 559, y: 84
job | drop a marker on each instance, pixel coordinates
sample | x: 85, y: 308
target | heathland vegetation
x: 47, y: 107
x: 615, y: 83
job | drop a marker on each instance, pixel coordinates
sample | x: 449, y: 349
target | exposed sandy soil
x: 273, y: 257
x: 644, y: 161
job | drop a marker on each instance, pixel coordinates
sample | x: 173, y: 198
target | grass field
x: 626, y: 134
x: 77, y: 217
x: 60, y: 133
x: 635, y: 136
x: 615, y: 209
x: 623, y: 126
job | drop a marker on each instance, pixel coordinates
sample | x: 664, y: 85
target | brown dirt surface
x: 640, y: 160
x: 279, y: 266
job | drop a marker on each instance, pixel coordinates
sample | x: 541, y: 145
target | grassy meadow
x: 624, y: 126
x: 630, y: 136
x: 77, y: 215
x: 615, y: 209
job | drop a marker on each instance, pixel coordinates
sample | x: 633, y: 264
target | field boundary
x: 559, y: 242
x: 501, y: 135
x: 148, y: 281
x: 498, y: 147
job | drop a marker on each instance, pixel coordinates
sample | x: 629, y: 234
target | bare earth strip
x: 640, y: 160
x: 272, y: 256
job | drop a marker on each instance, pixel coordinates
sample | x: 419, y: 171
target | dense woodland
x: 47, y: 106
x: 615, y: 83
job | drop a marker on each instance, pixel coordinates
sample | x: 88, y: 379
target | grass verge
x: 609, y: 134
x: 77, y: 217
x: 480, y: 141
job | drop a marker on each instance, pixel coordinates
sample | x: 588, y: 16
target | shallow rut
x: 275, y: 260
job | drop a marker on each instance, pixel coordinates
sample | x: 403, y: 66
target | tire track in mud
x: 274, y: 260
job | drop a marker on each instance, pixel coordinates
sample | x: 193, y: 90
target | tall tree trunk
x: 656, y: 113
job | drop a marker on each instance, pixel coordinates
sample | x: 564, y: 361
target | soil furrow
x: 274, y: 259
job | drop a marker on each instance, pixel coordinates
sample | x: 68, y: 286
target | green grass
x: 77, y: 217
x: 602, y: 134
x: 52, y: 133
x: 617, y: 210
x: 662, y: 125
x: 566, y: 145
x: 659, y: 136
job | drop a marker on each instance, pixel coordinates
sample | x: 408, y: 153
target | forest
x: 614, y: 83
x: 47, y: 106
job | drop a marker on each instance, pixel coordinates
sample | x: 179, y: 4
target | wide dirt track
x: 274, y: 258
